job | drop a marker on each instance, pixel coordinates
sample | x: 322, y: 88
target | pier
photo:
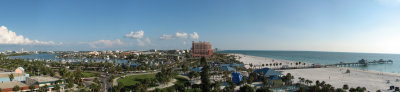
x: 362, y: 62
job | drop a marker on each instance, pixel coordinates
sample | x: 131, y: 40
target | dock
x: 360, y: 63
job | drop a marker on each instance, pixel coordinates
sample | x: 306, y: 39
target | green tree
x: 345, y: 87
x: 246, y: 88
x: 32, y: 87
x: 205, y: 76
x: 16, y: 88
x: 57, y: 88
x: 216, y: 86
x: 11, y: 76
x: 263, y: 89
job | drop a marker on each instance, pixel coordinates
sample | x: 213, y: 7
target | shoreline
x: 259, y: 61
x: 371, y: 79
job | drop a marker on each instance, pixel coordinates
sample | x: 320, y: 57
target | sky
x: 371, y: 26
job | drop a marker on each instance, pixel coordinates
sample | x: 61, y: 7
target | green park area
x: 135, y: 79
x: 90, y: 74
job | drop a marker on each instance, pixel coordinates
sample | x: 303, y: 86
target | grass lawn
x: 133, y: 79
x: 181, y: 80
x: 90, y: 74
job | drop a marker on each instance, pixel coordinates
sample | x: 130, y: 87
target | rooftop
x: 268, y: 72
x: 11, y: 84
x: 44, y: 78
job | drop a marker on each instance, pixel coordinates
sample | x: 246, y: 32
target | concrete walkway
x: 169, y: 84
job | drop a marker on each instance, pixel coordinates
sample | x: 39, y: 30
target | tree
x: 205, y: 76
x: 345, y: 87
x: 16, y: 88
x: 32, y: 87
x: 11, y: 76
x: 57, y: 88
x: 288, y: 78
x: 94, y: 87
x: 216, y: 86
x: 263, y: 89
x: 246, y: 88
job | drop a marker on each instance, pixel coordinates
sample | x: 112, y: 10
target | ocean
x: 328, y: 58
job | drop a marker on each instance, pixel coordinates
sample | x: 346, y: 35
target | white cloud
x: 181, y: 35
x: 194, y: 35
x: 166, y: 37
x: 105, y: 43
x: 136, y: 35
x: 147, y: 40
x: 10, y: 37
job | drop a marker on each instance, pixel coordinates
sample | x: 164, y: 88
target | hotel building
x: 202, y: 49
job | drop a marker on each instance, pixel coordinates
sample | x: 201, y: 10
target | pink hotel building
x: 202, y: 49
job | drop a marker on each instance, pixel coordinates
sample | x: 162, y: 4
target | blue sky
x: 311, y: 25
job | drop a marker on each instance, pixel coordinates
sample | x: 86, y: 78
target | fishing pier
x: 361, y: 62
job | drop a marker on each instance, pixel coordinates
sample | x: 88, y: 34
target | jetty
x: 361, y: 62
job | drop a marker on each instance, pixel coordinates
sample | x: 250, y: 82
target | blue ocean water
x: 328, y: 58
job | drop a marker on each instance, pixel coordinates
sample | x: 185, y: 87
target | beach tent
x: 236, y: 77
x: 197, y: 69
x: 227, y: 68
x: 268, y: 72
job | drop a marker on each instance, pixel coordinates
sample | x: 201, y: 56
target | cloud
x: 147, y: 40
x: 181, y: 35
x: 194, y: 35
x: 135, y: 35
x: 10, y: 37
x: 166, y: 37
x: 105, y: 43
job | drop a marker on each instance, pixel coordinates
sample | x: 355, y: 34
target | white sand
x: 258, y: 61
x: 336, y: 76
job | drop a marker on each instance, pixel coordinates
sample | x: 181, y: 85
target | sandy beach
x: 258, y: 61
x: 336, y: 76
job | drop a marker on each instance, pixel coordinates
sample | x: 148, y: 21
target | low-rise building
x: 42, y: 81
x: 18, y: 75
x: 8, y: 86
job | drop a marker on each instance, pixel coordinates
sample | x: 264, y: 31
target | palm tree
x: 345, y: 87
x: 32, y: 88
x: 16, y: 88
x: 11, y: 76
x: 57, y: 88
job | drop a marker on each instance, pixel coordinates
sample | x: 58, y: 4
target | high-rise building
x: 202, y: 49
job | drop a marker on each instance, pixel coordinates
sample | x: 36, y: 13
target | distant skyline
x: 370, y: 26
